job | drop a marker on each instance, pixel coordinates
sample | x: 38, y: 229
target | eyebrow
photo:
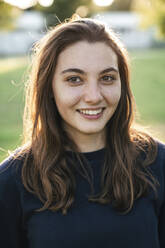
x: 109, y: 69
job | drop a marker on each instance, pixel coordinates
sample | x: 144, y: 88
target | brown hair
x: 125, y: 176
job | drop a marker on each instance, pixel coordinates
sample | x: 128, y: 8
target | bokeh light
x: 45, y: 3
x: 103, y: 3
x: 82, y: 11
x: 22, y: 4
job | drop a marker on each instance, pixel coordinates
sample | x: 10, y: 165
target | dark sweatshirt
x: 86, y: 225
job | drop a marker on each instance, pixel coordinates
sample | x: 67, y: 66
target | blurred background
x: 139, y: 24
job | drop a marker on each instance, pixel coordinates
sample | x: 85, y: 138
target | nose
x: 92, y: 93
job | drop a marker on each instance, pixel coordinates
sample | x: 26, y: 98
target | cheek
x: 65, y: 99
x: 112, y: 95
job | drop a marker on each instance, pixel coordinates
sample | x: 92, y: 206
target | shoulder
x: 159, y: 162
x: 158, y: 168
x: 161, y: 150
x: 10, y: 178
x: 10, y: 166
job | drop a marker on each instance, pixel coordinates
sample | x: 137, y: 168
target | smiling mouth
x: 91, y: 112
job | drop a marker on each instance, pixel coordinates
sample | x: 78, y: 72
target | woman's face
x: 86, y: 87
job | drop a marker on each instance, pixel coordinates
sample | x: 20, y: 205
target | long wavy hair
x: 125, y: 173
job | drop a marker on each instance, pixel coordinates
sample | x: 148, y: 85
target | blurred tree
x: 120, y: 5
x: 153, y: 13
x: 117, y: 5
x: 63, y: 9
x: 7, y: 15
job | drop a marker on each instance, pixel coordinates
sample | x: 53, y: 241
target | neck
x: 89, y: 142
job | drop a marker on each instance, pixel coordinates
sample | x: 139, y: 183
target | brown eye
x: 74, y: 79
x: 108, y: 78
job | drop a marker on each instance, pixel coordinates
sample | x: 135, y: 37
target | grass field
x: 148, y: 85
x: 11, y: 103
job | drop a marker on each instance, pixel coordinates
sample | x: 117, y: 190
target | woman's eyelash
x: 108, y: 78
x: 77, y: 79
x: 74, y: 79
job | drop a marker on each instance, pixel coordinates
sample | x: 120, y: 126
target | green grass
x: 11, y: 103
x: 147, y: 82
x: 148, y: 86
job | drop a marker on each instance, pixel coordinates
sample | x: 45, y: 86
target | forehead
x: 87, y: 56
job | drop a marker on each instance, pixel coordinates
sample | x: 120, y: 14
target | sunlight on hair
x: 103, y: 3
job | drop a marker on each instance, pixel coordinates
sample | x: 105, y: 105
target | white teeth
x: 91, y: 112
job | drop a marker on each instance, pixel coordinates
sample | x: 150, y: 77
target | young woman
x: 84, y: 176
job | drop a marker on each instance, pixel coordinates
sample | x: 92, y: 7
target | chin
x: 92, y: 131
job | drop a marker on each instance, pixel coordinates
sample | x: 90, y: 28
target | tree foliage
x: 153, y: 13
x: 121, y: 5
x: 63, y: 9
x: 7, y: 15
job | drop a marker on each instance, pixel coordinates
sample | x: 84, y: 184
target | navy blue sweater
x: 86, y: 225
